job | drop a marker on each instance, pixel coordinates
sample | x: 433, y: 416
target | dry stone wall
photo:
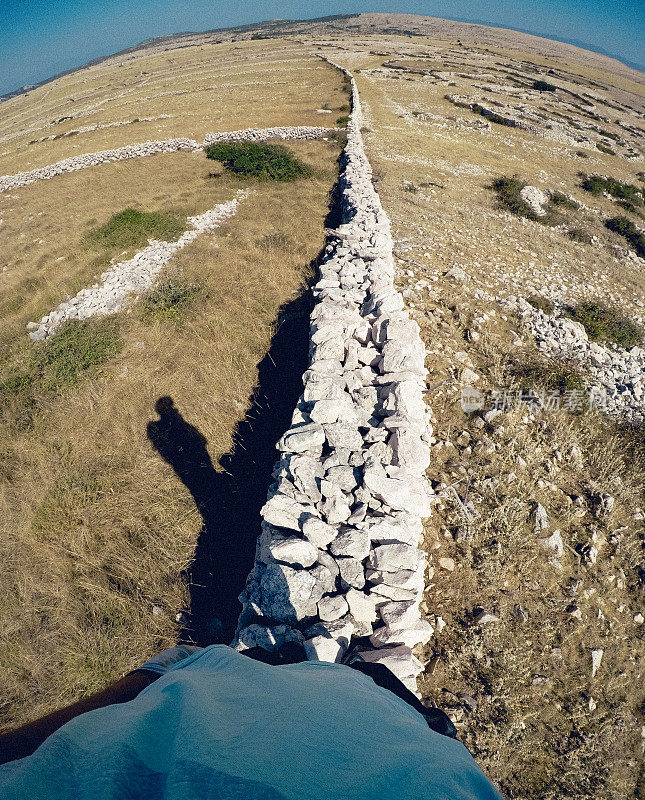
x: 338, y: 559
x: 8, y: 182
x: 262, y: 134
x: 75, y: 163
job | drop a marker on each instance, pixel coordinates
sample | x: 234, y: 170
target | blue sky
x: 41, y: 37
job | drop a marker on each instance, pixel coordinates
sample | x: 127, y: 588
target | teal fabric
x: 221, y: 726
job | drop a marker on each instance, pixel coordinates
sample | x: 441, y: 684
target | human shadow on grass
x: 229, y: 499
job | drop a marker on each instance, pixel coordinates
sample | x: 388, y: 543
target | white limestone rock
x: 400, y: 614
x: 535, y: 199
x: 335, y: 509
x: 287, y: 594
x: 292, y: 550
x: 323, y: 648
x: 554, y: 544
x: 418, y: 633
x: 399, y: 660
x: 362, y: 607
x: 303, y: 439
x: 343, y: 436
x: 389, y: 530
x: 339, y: 629
x: 342, y: 476
x: 284, y: 512
x: 395, y: 557
x: 352, y: 572
x: 325, y: 577
x: 331, y: 608
x: 318, y: 532
x: 351, y: 542
x: 267, y: 637
x: 394, y: 493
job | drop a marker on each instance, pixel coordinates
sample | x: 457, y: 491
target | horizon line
x: 636, y: 66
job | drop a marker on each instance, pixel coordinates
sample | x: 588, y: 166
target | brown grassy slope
x: 43, y: 236
x: 202, y: 89
x: 96, y: 528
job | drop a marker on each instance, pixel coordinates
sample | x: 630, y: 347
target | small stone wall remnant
x: 132, y: 277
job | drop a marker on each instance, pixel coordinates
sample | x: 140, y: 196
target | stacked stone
x: 337, y: 559
x: 262, y: 134
x: 617, y: 374
x: 127, y: 278
x: 75, y: 163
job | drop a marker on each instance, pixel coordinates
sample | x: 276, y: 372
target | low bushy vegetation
x: 168, y: 299
x: 132, y: 228
x: 76, y: 351
x: 578, y: 235
x: 560, y: 199
x: 265, y: 162
x: 604, y: 148
x: 491, y: 116
x: 543, y: 86
x: 342, y: 121
x: 552, y: 375
x: 606, y: 323
x: 508, y: 194
x: 626, y: 228
x: 618, y: 189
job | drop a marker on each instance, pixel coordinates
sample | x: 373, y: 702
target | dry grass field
x: 198, y: 90
x: 97, y: 532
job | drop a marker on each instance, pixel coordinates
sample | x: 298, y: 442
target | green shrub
x: 508, y: 193
x: 606, y: 323
x: 132, y: 228
x: 582, y: 154
x: 609, y: 135
x: 626, y: 228
x: 621, y: 191
x: 543, y: 86
x: 541, y: 303
x: 167, y: 300
x: 342, y: 120
x: 491, y: 116
x: 262, y: 161
x: 17, y: 400
x: 627, y: 205
x: 75, y: 351
x: 560, y: 199
x: 604, y: 148
x: 552, y: 375
x: 578, y: 235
